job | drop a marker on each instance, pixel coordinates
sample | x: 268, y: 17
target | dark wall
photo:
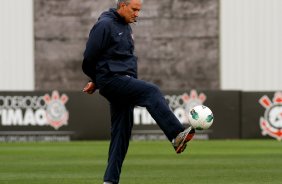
x: 176, y: 42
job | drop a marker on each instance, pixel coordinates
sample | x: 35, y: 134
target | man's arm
x: 98, y: 41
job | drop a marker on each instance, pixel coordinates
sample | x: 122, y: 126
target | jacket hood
x: 112, y: 14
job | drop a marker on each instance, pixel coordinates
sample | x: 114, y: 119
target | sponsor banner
x: 261, y: 115
x: 271, y: 122
x: 225, y: 107
x: 64, y: 115
x: 52, y: 116
x: 34, y: 110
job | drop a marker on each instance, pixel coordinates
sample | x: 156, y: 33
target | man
x: 110, y: 62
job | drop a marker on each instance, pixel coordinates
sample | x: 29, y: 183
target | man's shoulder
x: 104, y: 22
x: 106, y: 17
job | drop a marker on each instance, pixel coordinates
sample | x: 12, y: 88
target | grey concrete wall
x: 177, y: 42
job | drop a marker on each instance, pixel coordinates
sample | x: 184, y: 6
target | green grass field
x: 148, y: 162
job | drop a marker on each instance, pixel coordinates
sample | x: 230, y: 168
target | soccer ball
x: 200, y: 117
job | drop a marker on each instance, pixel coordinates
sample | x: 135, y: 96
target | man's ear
x: 122, y: 5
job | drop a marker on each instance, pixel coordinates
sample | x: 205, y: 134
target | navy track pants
x: 123, y: 94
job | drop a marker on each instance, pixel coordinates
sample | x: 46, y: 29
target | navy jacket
x: 110, y: 49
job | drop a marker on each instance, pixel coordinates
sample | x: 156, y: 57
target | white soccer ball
x: 200, y: 117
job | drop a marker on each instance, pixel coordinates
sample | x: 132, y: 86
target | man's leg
x: 121, y: 126
x: 123, y: 89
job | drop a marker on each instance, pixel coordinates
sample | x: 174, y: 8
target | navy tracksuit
x: 110, y: 62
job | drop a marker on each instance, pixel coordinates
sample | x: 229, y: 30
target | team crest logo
x: 193, y: 100
x: 56, y: 112
x: 271, y: 123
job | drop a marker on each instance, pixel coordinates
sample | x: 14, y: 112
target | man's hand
x: 90, y: 88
